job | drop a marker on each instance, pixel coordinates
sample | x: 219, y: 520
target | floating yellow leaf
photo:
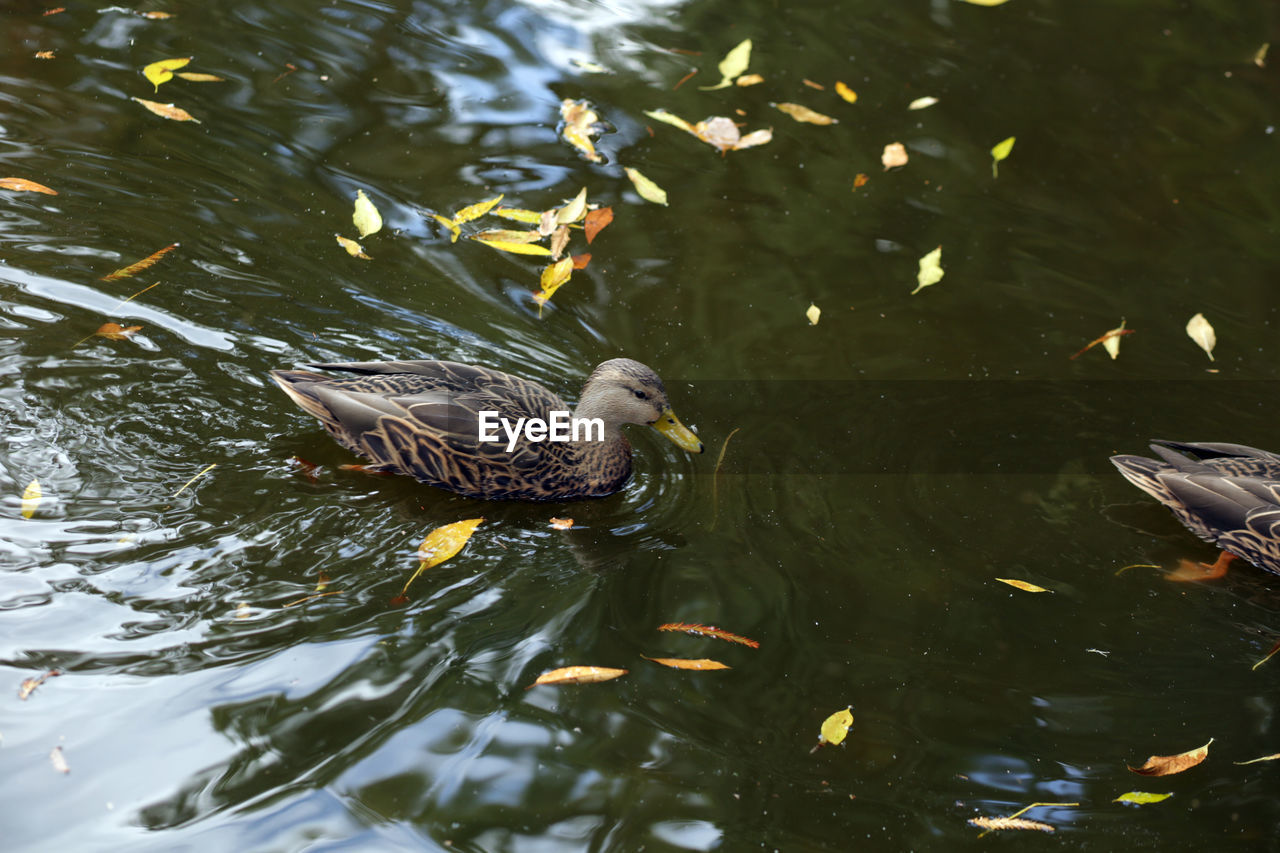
x: 139, y: 266
x: 578, y: 675
x: 688, y: 663
x: 441, y: 544
x: 1167, y: 765
x: 365, y: 216
x: 671, y: 119
x: 1202, y: 333
x: 987, y: 2
x: 475, y: 211
x: 749, y: 80
x: 922, y: 103
x: 580, y: 121
x: 197, y: 77
x: 454, y: 230
x: 931, y: 271
x: 31, y: 497
x: 553, y: 276
x: 845, y: 92
x: 162, y: 71
x: 1260, y: 58
x: 835, y: 728
x: 1271, y: 757
x: 648, y: 190
x: 1140, y: 798
x: 734, y: 64
x: 353, y: 248
x: 1022, y: 585
x: 999, y: 152
x: 23, y: 185
x: 804, y: 114
x: 528, y: 217
x: 894, y: 154
x: 813, y: 314
x: 503, y: 235
x: 990, y: 823
x: 513, y: 248
x: 574, y: 210
x: 116, y: 332
x: 168, y: 111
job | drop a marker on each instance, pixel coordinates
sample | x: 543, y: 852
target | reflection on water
x: 879, y: 482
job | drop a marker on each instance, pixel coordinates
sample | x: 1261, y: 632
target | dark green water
x: 890, y: 462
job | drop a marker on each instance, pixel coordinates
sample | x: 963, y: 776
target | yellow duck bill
x: 679, y: 434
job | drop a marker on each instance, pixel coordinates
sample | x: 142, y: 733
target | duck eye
x: 640, y: 395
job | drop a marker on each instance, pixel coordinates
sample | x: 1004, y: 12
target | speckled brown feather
x: 1228, y: 494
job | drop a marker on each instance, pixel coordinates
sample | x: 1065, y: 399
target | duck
x: 474, y: 431
x: 1227, y: 494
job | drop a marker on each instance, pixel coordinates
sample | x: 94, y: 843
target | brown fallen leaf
x: 29, y: 685
x: 708, y: 631
x: 581, y: 260
x: 894, y: 154
x: 804, y: 114
x: 139, y: 266
x: 116, y: 332
x: 168, y: 111
x: 59, y: 760
x: 1167, y: 765
x: 561, y: 523
x: 860, y: 180
x: 688, y: 663
x: 559, y: 240
x: 596, y: 222
x: 23, y: 185
x: 578, y: 675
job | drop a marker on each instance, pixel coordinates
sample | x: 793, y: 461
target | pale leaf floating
x: 352, y: 248
x: 845, y: 92
x: 505, y: 235
x: 1001, y: 150
x: 734, y: 63
x: 894, y: 154
x: 31, y: 497
x: 574, y: 210
x: 720, y: 132
x: 749, y: 80
x: 1260, y: 58
x: 930, y: 272
x: 648, y: 190
x: 834, y: 728
x: 199, y: 77
x: 442, y: 544
x: 922, y: 103
x: 1271, y: 757
x: 559, y: 240
x: 801, y: 113
x: 1167, y: 765
x: 704, y: 664
x: 59, y: 761
x: 580, y: 123
x: 987, y: 2
x: 1023, y: 585
x: 23, y: 185
x: 1141, y: 798
x: 813, y: 314
x: 1202, y: 333
x: 168, y: 111
x: 365, y: 216
x: 162, y: 71
x: 578, y: 675
x: 990, y: 823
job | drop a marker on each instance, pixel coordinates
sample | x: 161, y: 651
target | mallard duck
x: 424, y: 419
x: 1227, y: 494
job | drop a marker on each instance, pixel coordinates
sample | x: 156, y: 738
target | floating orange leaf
x: 1166, y: 765
x: 168, y: 111
x: 580, y: 122
x: 116, y: 332
x: 894, y: 154
x: 1023, y: 585
x: 578, y: 675
x: 134, y: 268
x: 859, y: 180
x: 580, y: 261
x: 54, y: 11
x: 441, y: 544
x: 353, y: 248
x: 596, y: 222
x: 29, y: 685
x: 990, y: 823
x: 688, y: 663
x: 561, y: 523
x: 23, y: 185
x: 804, y: 114
x: 708, y: 631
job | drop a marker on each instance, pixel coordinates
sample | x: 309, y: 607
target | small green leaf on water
x: 366, y: 217
x: 647, y: 189
x: 1139, y: 798
x: 1000, y: 152
x: 931, y: 271
x: 734, y: 63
